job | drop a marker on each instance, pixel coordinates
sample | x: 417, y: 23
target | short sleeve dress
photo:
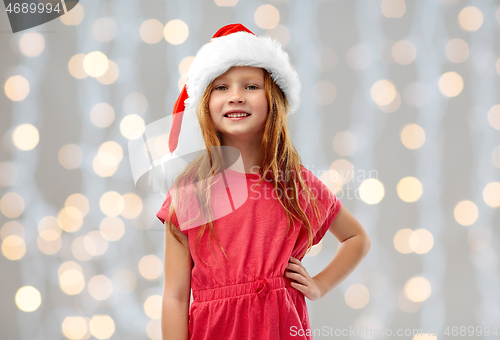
x: 246, y: 295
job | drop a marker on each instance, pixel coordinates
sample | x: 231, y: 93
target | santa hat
x: 232, y: 45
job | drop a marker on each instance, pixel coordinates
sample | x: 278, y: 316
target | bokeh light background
x: 400, y: 117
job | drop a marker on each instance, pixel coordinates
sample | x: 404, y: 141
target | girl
x: 252, y: 284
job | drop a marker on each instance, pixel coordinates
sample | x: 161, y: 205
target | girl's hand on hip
x: 304, y: 283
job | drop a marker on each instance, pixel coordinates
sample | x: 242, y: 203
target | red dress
x: 248, y: 296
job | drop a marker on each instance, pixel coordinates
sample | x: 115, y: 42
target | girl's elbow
x: 367, y: 244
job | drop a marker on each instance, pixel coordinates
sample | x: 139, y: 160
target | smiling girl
x: 252, y: 285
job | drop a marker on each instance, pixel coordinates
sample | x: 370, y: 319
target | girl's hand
x: 307, y: 285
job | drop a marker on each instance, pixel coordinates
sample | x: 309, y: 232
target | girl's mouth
x: 238, y: 118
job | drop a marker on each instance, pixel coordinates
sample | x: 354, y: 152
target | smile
x: 236, y: 116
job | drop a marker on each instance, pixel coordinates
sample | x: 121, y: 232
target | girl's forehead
x: 243, y: 72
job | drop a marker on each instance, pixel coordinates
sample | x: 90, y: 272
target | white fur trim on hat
x: 241, y: 49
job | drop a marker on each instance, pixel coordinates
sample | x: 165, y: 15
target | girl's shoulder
x: 309, y: 177
x: 319, y: 189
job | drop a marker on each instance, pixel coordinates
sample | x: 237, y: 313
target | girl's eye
x: 224, y: 87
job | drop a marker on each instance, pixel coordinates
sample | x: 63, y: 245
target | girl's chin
x: 237, y: 133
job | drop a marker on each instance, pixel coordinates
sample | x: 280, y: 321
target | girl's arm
x: 176, y: 287
x: 354, y: 246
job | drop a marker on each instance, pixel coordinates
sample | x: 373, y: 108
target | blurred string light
x: 153, y: 328
x: 102, y: 326
x: 417, y: 289
x: 457, y: 50
x: 17, y: 88
x: 76, y: 327
x: 280, y: 33
x: 95, y: 64
x: 151, y: 267
x: 451, y: 84
x: 491, y: 194
x: 100, y: 287
x: 133, y: 205
x: 31, y: 44
x: 75, y: 66
x: 132, y: 126
x: 108, y: 157
x: 95, y: 244
x: 470, y: 19
x: 345, y: 143
x: 80, y: 249
x: 494, y: 117
x: 404, y: 52
x: 70, y: 219
x: 152, y: 306
x: 357, y: 296
x: 12, y: 205
x: 393, y: 8
x: 383, y: 92
x: 151, y: 31
x: 25, y: 137
x: 70, y: 156
x: 419, y: 241
x: 226, y: 3
x: 112, y: 228
x: 371, y: 191
x: 13, y: 247
x: 71, y: 279
x: 28, y: 299
x: 266, y: 16
x: 73, y: 17
x: 176, y: 32
x: 111, y: 74
x: 102, y: 115
x: 409, y: 189
x: 412, y: 136
x: 466, y: 213
x: 104, y: 29
x: 112, y: 203
x: 49, y: 240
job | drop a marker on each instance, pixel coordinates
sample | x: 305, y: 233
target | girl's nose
x: 236, y: 96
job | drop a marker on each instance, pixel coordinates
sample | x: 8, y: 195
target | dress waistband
x: 260, y: 287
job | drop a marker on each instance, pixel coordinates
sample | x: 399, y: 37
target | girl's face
x: 239, y: 90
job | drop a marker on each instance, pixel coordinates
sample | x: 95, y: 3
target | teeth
x: 232, y: 115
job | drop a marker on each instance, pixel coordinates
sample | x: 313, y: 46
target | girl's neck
x: 250, y: 154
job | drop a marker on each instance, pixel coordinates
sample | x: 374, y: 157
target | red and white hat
x: 232, y: 45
